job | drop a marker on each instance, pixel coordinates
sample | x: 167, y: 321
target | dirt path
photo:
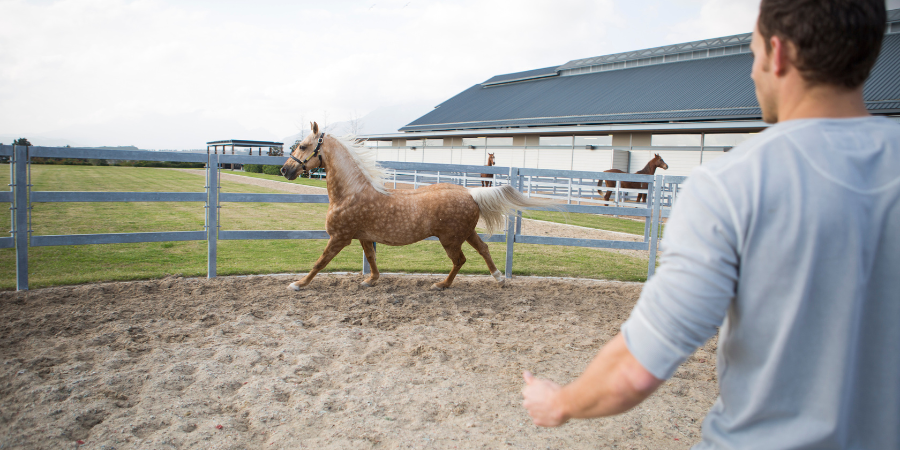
x: 529, y: 226
x: 244, y: 363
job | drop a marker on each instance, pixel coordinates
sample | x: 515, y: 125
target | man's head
x: 825, y: 42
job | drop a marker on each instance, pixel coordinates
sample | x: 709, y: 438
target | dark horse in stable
x: 649, y: 169
x: 360, y: 207
x: 488, y: 175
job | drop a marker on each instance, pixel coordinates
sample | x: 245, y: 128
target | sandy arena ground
x: 242, y: 362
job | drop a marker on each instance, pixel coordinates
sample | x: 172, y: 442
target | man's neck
x: 801, y: 101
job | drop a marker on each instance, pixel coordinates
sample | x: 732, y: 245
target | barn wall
x: 680, y: 161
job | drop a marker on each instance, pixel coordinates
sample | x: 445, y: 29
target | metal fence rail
x: 661, y: 191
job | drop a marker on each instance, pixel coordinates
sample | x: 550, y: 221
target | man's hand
x: 613, y: 383
x: 542, y: 401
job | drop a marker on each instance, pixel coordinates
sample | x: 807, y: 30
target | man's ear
x: 781, y: 55
x: 315, y: 128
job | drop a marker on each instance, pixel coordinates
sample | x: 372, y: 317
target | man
x: 791, y: 243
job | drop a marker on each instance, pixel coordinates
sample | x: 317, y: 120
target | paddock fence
x: 567, y: 187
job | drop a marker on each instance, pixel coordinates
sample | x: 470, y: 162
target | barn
x: 689, y: 102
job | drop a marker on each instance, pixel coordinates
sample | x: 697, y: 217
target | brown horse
x: 360, y: 207
x: 649, y: 169
x: 488, y: 175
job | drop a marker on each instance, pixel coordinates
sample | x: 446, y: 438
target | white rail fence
x: 568, y: 187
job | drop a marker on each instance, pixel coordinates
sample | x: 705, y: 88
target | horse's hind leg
x: 334, y: 247
x: 475, y: 241
x: 608, y: 193
x: 369, y: 250
x: 454, y: 251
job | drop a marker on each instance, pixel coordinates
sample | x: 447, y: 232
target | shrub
x: 272, y: 170
x: 253, y: 168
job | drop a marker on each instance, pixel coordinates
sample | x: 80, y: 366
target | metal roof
x: 713, y: 88
x: 521, y: 76
x: 706, y: 44
x: 242, y: 143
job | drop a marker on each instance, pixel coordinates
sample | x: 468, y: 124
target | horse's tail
x: 498, y: 201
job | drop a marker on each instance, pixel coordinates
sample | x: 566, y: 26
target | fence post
x: 20, y: 225
x: 648, y: 220
x: 212, y: 213
x: 654, y: 226
x: 511, y: 227
x: 520, y: 185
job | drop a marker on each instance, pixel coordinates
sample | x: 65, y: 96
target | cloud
x: 716, y: 18
x: 89, y: 63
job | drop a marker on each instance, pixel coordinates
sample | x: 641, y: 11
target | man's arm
x: 613, y: 383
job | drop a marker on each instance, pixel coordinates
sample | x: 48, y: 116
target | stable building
x: 689, y: 102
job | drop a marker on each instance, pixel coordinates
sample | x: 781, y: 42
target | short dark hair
x: 836, y: 41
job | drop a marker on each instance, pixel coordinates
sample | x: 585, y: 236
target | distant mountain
x: 384, y: 120
x: 149, y: 131
x: 38, y: 140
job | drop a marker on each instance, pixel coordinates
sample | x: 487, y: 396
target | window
x: 434, y: 142
x: 496, y: 141
x: 474, y: 141
x: 593, y: 140
x: 675, y: 140
x: 414, y: 142
x: 377, y: 143
x: 555, y: 141
x: 726, y: 139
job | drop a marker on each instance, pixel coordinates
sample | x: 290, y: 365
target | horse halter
x: 315, y: 152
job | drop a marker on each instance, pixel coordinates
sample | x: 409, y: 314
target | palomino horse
x: 361, y: 208
x: 649, y: 169
x: 488, y: 175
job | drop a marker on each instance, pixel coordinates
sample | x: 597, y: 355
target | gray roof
x: 713, y: 86
x: 520, y: 76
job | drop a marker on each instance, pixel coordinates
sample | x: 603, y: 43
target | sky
x: 161, y: 74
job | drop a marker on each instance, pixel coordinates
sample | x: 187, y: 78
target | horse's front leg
x: 335, y: 245
x: 369, y: 250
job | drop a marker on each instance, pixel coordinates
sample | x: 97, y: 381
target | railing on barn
x: 21, y: 198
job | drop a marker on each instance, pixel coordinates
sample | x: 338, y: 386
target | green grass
x: 49, y: 266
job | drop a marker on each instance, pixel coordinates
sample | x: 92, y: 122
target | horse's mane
x: 365, y: 161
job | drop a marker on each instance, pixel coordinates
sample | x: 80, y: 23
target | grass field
x: 50, y: 266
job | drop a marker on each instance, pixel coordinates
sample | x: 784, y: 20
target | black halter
x: 315, y: 152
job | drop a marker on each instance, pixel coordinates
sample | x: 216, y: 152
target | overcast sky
x: 175, y: 74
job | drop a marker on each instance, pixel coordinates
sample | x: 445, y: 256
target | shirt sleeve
x: 687, y: 299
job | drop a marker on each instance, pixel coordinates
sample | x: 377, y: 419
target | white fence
x: 577, y: 197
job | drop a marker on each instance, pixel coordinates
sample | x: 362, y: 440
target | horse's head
x: 658, y: 162
x: 490, y: 159
x: 305, y: 155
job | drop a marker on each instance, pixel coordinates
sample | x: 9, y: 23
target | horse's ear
x: 315, y: 128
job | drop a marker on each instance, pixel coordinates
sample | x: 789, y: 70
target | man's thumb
x: 528, y: 377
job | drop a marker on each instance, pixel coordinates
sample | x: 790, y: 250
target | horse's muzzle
x: 288, y: 173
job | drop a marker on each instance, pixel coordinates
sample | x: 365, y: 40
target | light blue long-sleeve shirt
x: 790, y: 243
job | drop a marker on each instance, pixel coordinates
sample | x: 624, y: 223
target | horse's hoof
x: 365, y: 284
x: 437, y: 287
x: 499, y: 277
x: 294, y: 286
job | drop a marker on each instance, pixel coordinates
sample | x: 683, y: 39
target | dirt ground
x: 243, y: 362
